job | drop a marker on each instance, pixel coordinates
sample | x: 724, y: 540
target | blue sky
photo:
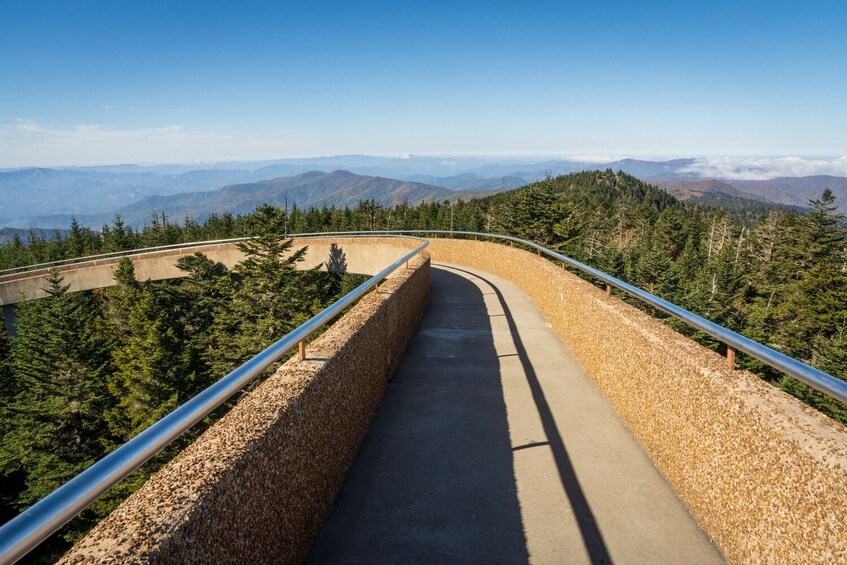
x: 130, y: 81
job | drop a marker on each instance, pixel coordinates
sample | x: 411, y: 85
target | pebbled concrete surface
x: 493, y: 446
x: 254, y: 487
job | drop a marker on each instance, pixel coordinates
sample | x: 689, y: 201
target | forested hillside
x: 775, y: 275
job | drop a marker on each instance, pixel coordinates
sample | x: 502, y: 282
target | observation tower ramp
x: 493, y: 446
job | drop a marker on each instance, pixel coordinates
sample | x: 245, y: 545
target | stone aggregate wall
x: 255, y: 487
x: 765, y: 475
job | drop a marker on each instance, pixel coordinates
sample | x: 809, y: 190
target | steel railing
x: 35, y: 524
x: 824, y: 382
x: 813, y: 377
x: 116, y: 254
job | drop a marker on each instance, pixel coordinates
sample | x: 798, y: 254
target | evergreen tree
x: 118, y: 237
x: 200, y: 297
x: 76, y: 241
x: 8, y: 387
x: 271, y: 297
x: 830, y: 357
x: 15, y: 253
x: 150, y: 374
x: 816, y: 300
x: 655, y: 273
x: 532, y: 214
x: 60, y: 360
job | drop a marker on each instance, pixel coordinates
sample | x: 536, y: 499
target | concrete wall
x: 765, y: 475
x: 365, y: 256
x: 255, y: 487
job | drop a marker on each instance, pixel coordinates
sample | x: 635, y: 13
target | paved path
x: 492, y: 446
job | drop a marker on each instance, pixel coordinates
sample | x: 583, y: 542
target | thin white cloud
x: 594, y: 158
x: 28, y: 143
x: 758, y: 168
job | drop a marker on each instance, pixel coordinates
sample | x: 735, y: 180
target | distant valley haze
x: 48, y: 198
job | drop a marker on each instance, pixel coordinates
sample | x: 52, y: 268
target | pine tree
x: 15, y: 253
x: 816, y: 300
x: 271, y: 297
x: 76, y: 240
x: 655, y: 273
x: 118, y: 237
x: 200, y: 297
x: 60, y: 360
x: 152, y: 375
x: 831, y: 357
x: 533, y: 214
x: 8, y: 384
x: 8, y: 387
x: 149, y: 370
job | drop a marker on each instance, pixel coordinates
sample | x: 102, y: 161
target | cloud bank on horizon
x: 762, y: 168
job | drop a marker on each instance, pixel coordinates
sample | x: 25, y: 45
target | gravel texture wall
x: 765, y: 475
x: 255, y: 487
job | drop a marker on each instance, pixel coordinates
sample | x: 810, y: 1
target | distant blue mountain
x: 31, y: 193
x: 309, y: 189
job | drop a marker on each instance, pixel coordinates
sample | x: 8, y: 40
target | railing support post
x: 301, y: 350
x: 608, y: 290
x: 730, y: 357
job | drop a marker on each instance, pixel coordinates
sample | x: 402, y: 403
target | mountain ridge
x: 35, y: 193
x: 313, y: 188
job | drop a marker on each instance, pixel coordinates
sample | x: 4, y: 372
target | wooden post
x: 608, y: 290
x: 301, y: 350
x: 730, y: 357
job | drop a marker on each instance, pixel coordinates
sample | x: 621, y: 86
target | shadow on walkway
x: 591, y: 535
x: 433, y: 480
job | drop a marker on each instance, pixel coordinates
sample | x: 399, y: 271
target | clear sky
x: 86, y: 82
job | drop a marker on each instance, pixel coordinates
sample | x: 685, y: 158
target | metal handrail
x: 114, y: 254
x: 35, y: 524
x: 815, y: 378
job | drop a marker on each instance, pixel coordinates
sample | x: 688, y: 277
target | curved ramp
x: 492, y: 445
x: 359, y: 254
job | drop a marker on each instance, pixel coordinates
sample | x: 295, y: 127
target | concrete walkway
x: 492, y: 446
